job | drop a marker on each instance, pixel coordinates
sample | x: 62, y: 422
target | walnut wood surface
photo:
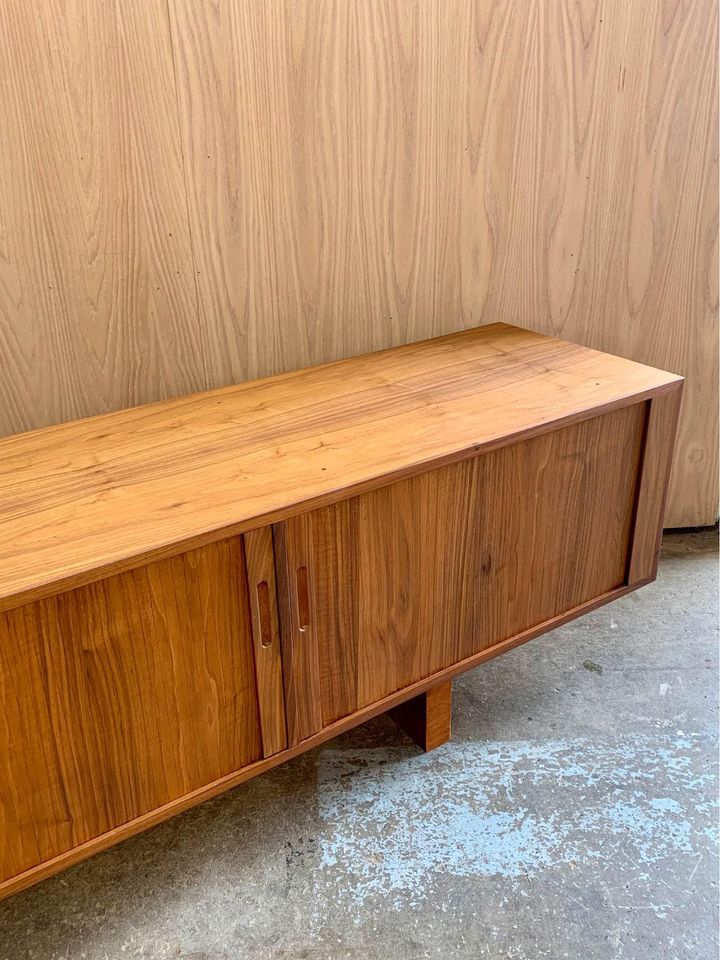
x: 121, y: 697
x: 143, y: 822
x: 260, y: 566
x: 298, y: 617
x: 427, y: 719
x: 81, y: 500
x: 433, y: 506
x: 428, y: 571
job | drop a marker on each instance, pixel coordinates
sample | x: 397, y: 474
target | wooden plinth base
x: 426, y: 719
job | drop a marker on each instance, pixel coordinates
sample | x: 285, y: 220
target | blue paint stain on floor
x: 393, y: 820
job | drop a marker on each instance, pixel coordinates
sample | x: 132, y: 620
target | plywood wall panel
x: 323, y: 143
x: 344, y: 175
x: 604, y: 199
x: 97, y: 296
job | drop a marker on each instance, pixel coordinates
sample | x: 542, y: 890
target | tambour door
x: 124, y: 695
x: 389, y: 587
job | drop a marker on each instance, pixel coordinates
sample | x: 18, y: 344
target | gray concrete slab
x: 574, y: 814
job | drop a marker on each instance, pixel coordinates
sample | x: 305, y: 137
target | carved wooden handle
x: 303, y: 599
x: 264, y: 613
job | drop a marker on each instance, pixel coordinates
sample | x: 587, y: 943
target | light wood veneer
x: 199, y: 192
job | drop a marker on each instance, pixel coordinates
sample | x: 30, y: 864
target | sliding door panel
x: 122, y: 696
x: 416, y: 576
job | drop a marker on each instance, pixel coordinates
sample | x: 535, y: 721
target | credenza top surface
x: 90, y: 496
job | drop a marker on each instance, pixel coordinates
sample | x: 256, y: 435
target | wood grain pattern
x: 427, y: 719
x: 443, y: 502
x: 591, y: 190
x: 48, y: 868
x: 260, y: 566
x: 294, y: 563
x: 385, y: 171
x: 97, y: 295
x: 426, y: 572
x: 121, y: 697
x: 655, y: 470
x: 324, y: 145
x: 196, y: 193
x: 81, y: 500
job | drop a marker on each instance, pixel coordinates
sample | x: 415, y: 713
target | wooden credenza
x: 194, y: 591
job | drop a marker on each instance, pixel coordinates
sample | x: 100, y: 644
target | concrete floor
x: 573, y: 815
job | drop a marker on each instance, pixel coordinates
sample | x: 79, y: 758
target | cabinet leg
x: 426, y: 719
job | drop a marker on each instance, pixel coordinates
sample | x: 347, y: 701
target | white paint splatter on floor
x: 508, y: 810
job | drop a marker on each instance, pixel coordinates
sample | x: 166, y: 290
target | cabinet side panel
x: 121, y: 696
x: 655, y: 472
x: 429, y: 571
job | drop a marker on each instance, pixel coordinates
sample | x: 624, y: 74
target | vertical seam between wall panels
x: 202, y: 332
